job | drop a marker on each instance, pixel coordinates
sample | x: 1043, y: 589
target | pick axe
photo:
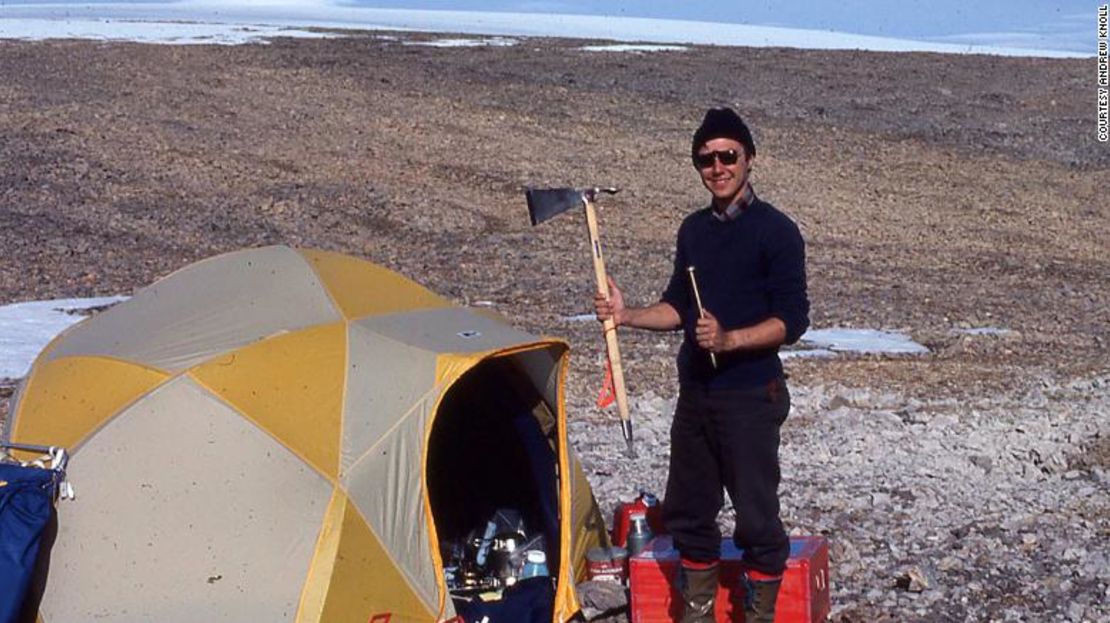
x: 545, y: 203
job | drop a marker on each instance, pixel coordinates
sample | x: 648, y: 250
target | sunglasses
x: 727, y: 157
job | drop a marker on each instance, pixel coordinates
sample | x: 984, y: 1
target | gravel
x: 956, y: 510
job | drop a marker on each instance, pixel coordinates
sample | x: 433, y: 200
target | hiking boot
x: 759, y: 599
x: 699, y: 592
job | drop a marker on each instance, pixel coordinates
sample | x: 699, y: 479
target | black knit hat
x: 723, y: 123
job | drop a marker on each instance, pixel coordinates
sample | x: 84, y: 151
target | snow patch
x: 166, y: 33
x: 983, y: 331
x: 26, y: 328
x: 631, y: 47
x: 806, y: 353
x: 496, y: 42
x: 871, y: 341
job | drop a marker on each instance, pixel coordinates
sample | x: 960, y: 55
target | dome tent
x: 251, y: 440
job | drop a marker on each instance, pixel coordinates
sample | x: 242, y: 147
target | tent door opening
x: 493, y: 487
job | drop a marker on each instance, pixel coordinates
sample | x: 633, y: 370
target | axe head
x: 545, y: 203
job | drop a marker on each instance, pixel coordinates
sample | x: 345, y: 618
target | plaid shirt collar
x: 736, y: 208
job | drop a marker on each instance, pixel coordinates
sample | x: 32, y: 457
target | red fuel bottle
x: 645, y: 503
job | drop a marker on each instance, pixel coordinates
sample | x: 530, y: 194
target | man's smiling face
x: 724, y: 181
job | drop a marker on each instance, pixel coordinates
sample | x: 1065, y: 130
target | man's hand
x: 611, y: 307
x: 658, y: 317
x: 767, y: 334
x: 710, y: 335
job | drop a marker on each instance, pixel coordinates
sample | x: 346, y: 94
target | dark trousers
x: 728, y: 439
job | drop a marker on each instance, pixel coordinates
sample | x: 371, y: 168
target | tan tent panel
x: 211, y: 307
x: 284, y: 435
x: 393, y: 506
x: 138, y: 547
x: 389, y: 392
x: 450, y: 330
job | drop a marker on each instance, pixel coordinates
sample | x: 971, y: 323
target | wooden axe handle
x: 610, y: 326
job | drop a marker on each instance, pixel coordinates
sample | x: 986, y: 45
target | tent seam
x: 298, y: 617
x: 170, y: 377
x: 385, y: 549
x: 387, y: 432
x: 565, y: 476
x: 323, y: 284
x: 211, y: 391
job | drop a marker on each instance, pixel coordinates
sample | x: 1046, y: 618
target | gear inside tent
x: 285, y: 434
x: 492, y: 462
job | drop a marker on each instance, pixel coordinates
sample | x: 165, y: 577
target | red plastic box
x: 803, y: 598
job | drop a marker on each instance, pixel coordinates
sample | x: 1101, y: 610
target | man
x: 749, y: 262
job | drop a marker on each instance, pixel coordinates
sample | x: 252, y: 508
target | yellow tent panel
x: 88, y: 390
x: 360, y: 288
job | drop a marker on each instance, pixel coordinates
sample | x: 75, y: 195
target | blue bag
x: 26, y: 506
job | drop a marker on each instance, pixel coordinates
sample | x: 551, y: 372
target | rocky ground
x: 936, y: 193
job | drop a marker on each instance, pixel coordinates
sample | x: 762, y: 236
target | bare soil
x: 935, y: 192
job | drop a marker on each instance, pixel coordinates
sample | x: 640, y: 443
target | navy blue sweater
x: 748, y: 269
